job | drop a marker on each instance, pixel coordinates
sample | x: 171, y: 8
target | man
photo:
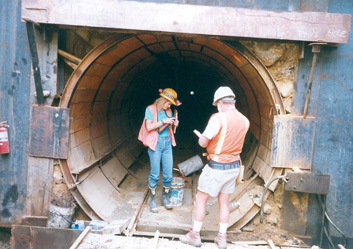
x: 223, y: 138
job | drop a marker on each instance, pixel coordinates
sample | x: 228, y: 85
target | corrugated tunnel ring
x: 111, y: 87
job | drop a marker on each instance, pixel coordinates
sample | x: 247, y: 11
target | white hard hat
x: 221, y: 93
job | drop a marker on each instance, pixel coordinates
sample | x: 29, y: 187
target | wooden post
x: 155, y: 240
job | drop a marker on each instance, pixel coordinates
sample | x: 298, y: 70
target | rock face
x: 60, y: 192
x: 281, y: 60
x: 269, y: 53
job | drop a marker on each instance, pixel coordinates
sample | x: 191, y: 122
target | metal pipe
x: 316, y: 48
x: 310, y: 84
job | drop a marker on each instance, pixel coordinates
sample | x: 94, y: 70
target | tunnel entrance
x: 107, y: 168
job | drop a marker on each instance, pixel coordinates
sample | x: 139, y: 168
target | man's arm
x: 210, y: 132
x: 203, y: 141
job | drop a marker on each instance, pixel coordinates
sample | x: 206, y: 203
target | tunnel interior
x: 109, y: 90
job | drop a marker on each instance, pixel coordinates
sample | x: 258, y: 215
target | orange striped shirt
x: 230, y: 138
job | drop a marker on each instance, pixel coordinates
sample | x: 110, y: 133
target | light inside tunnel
x: 108, y: 92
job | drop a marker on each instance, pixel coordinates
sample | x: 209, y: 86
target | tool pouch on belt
x: 240, y: 178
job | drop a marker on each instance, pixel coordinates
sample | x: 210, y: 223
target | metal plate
x: 49, y: 132
x: 307, y: 183
x: 42, y: 237
x: 293, y: 141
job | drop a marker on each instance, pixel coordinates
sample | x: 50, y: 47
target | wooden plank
x: 265, y: 171
x: 271, y: 244
x: 49, y: 132
x: 114, y: 171
x: 246, y: 204
x: 93, y: 184
x: 247, y: 217
x: 134, y: 219
x: 75, y: 193
x: 155, y: 240
x: 39, y: 185
x: 69, y: 57
x: 80, y: 238
x: 192, y: 19
x: 40, y: 221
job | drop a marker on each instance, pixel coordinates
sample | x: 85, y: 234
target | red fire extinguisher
x: 4, y: 138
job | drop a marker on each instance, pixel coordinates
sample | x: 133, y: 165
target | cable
x: 331, y: 222
x: 329, y: 237
x: 343, y: 235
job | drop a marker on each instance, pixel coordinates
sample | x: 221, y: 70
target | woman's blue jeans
x: 164, y: 154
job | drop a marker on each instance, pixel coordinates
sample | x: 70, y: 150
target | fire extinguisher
x: 4, y: 138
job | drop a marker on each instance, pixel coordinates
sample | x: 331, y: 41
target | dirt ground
x: 95, y: 241
x: 181, y: 217
x: 181, y: 220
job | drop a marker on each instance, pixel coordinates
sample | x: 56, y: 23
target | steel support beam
x: 35, y: 62
x: 134, y: 16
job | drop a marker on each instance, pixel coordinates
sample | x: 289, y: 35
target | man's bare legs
x: 193, y: 236
x: 221, y: 238
x: 223, y: 207
x: 200, y: 207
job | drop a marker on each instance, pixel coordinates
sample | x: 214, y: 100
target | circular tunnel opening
x: 107, y: 95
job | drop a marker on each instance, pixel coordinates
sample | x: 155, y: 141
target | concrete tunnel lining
x: 111, y: 87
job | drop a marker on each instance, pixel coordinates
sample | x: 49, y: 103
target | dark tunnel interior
x: 195, y: 84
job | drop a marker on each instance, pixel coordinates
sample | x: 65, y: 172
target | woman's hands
x: 152, y: 126
x: 173, y: 121
x: 169, y: 120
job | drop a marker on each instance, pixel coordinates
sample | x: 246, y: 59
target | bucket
x: 190, y: 166
x: 176, y: 192
x: 60, y: 217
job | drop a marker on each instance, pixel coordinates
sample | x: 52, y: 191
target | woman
x: 157, y: 134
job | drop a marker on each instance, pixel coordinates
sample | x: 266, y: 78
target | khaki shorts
x: 213, y: 181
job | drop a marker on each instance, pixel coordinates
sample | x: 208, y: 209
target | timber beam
x: 191, y: 19
x: 69, y: 59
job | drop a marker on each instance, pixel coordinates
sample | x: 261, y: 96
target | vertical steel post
x: 316, y: 47
x: 35, y: 62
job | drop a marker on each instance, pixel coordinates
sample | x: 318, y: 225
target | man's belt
x: 223, y: 166
x: 222, y: 155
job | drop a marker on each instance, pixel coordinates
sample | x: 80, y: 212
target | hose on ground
x: 263, y: 195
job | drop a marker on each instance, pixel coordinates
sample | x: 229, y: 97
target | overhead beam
x: 191, y: 19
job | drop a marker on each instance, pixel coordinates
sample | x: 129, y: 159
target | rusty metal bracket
x: 35, y: 62
x: 316, y: 48
x: 307, y: 183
